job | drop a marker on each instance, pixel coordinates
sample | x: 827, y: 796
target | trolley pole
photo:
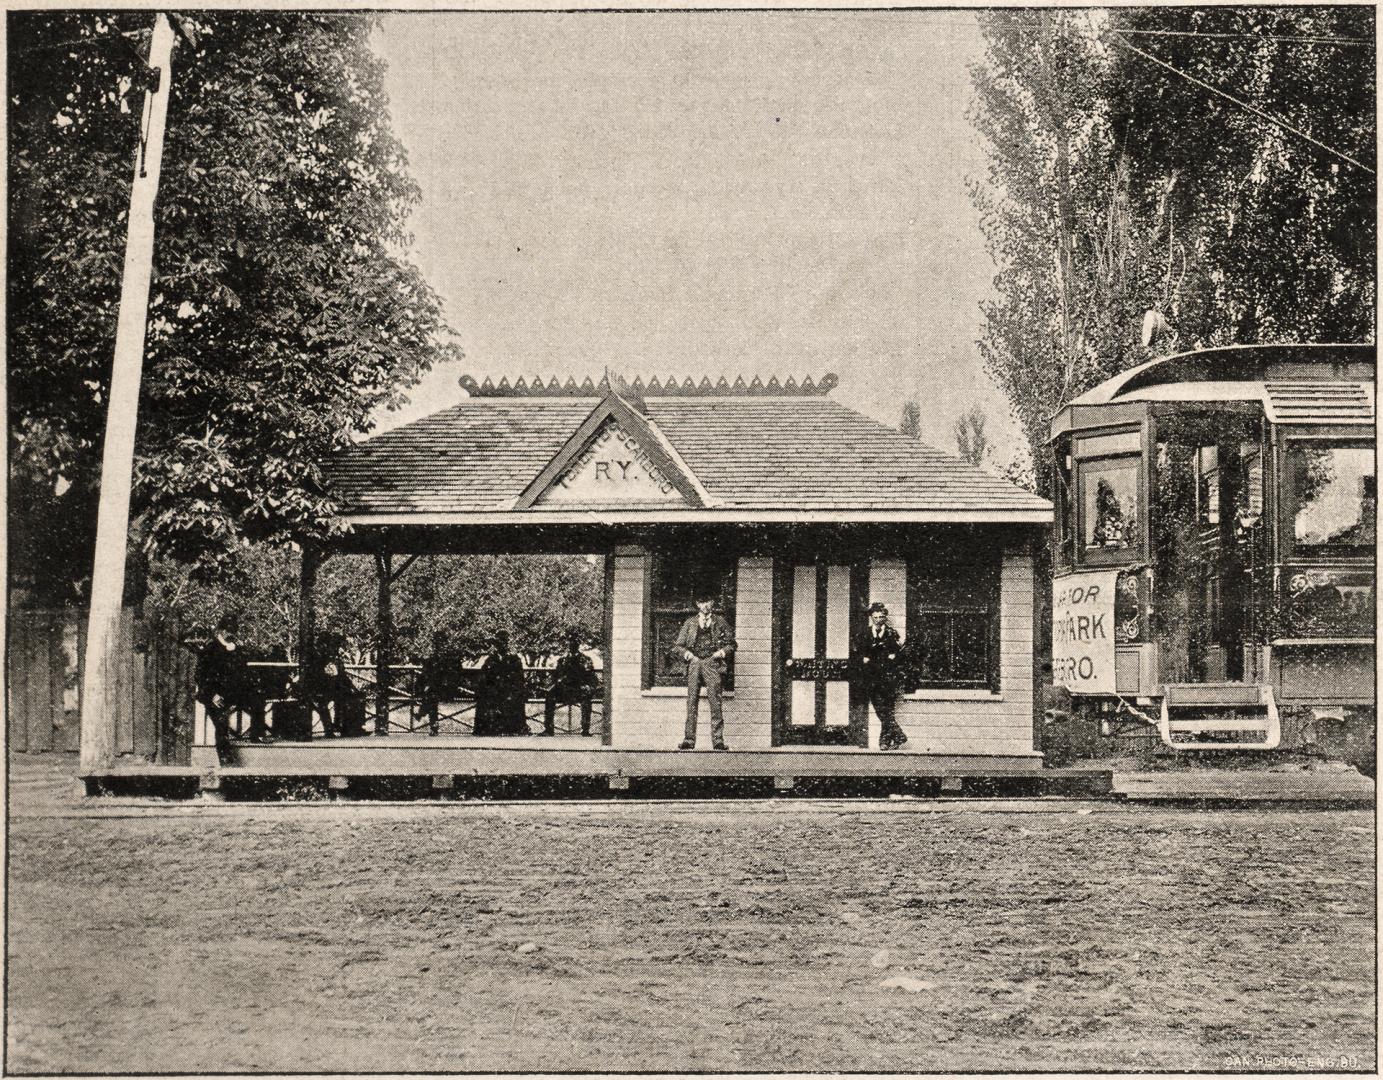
x: 117, y: 460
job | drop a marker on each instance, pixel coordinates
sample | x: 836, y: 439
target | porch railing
x: 407, y: 707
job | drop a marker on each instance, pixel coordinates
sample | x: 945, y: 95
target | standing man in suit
x: 877, y: 671
x: 223, y: 680
x: 706, y: 642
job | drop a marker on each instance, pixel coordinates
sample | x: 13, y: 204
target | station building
x: 795, y: 511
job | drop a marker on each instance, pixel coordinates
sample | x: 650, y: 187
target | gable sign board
x: 1083, y: 631
x: 613, y: 468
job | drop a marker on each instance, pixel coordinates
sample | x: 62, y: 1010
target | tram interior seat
x: 1219, y: 716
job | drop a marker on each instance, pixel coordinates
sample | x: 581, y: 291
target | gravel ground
x: 780, y: 935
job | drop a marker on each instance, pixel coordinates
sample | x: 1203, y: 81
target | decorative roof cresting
x: 670, y: 387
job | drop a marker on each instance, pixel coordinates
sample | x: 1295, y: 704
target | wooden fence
x: 152, y: 689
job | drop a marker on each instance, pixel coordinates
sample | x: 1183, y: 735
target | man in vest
x: 877, y: 671
x: 706, y: 642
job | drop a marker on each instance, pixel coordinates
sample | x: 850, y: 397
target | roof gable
x: 615, y: 458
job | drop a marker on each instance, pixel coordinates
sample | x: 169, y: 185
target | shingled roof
x: 754, y: 457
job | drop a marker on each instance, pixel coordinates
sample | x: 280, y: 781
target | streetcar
x: 1221, y: 504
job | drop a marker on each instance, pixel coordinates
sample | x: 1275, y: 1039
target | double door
x: 818, y: 610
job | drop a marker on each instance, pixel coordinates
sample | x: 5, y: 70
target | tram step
x: 1245, y: 710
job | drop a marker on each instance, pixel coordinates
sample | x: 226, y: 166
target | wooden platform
x: 415, y: 755
x: 572, y: 762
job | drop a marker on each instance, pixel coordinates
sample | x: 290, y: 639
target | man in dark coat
x: 223, y: 682
x: 330, y: 692
x: 876, y: 672
x: 501, y: 692
x: 706, y: 643
x: 439, y: 680
x: 573, y: 683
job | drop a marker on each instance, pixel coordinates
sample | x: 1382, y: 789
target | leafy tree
x: 1116, y: 185
x: 283, y: 310
x: 971, y: 441
x: 1263, y: 236
x: 911, y: 422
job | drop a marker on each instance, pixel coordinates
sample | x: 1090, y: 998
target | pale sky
x: 702, y: 194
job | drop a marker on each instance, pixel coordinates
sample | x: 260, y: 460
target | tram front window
x: 1110, y: 514
x: 1334, y: 498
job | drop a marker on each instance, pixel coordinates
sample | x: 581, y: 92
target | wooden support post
x: 784, y: 783
x: 385, y: 632
x: 951, y: 785
x: 607, y: 652
x: 619, y: 783
x: 307, y: 612
x: 338, y: 785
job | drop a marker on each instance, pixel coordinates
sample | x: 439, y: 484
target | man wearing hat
x: 877, y: 670
x: 223, y: 682
x: 501, y: 691
x: 706, y: 643
x: 573, y: 683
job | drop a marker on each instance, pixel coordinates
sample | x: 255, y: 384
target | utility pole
x: 122, y: 411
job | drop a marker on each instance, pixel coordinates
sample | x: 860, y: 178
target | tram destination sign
x: 1083, y: 631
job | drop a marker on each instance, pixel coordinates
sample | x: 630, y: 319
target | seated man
x: 574, y: 682
x: 330, y: 691
x: 439, y: 680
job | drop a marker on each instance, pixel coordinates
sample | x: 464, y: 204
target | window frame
x: 1133, y: 553
x: 728, y: 566
x: 1288, y: 514
x: 921, y: 611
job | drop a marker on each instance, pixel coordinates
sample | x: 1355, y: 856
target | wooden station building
x: 795, y: 511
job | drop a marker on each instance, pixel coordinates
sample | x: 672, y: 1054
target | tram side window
x: 1111, y: 518
x: 1334, y: 496
x: 674, y: 582
x: 953, y: 618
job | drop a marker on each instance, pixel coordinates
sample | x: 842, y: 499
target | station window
x: 953, y: 618
x: 674, y: 581
x: 1111, y: 517
x: 1334, y: 499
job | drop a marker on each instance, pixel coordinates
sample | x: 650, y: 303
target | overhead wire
x: 1227, y: 35
x: 1260, y: 113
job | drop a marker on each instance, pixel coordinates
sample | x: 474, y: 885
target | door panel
x: 815, y: 610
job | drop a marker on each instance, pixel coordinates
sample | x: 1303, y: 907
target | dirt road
x: 720, y: 936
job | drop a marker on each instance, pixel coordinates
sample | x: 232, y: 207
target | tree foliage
x: 1116, y: 186
x: 972, y: 442
x: 1261, y: 235
x: 538, y: 599
x: 283, y: 310
x: 911, y: 421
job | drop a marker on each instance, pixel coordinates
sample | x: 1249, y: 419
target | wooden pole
x: 307, y: 612
x: 385, y: 629
x: 117, y: 461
